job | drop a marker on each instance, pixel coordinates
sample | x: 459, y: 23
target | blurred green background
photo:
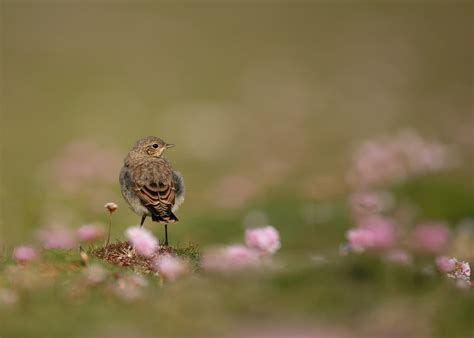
x: 265, y: 102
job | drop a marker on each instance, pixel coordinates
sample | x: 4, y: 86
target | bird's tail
x: 169, y: 218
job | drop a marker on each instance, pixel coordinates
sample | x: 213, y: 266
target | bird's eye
x: 155, y: 145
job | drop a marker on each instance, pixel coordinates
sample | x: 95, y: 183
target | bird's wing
x: 157, y: 192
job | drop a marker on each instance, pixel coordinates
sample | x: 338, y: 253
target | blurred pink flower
x: 129, y: 288
x: 83, y: 162
x: 383, y: 231
x: 431, y: 238
x: 457, y: 270
x: 229, y: 259
x: 369, y: 202
x: 372, y: 233
x: 392, y: 158
x: 170, y: 267
x: 462, y: 271
x: 376, y: 162
x: 422, y: 155
x: 360, y: 239
x: 24, y: 254
x: 111, y: 207
x: 445, y: 264
x: 142, y: 240
x: 90, y: 233
x: 57, y: 237
x: 95, y: 274
x: 264, y: 239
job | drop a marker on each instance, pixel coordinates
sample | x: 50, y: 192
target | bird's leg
x: 143, y: 220
x: 166, y: 234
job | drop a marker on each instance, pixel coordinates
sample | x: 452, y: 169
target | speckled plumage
x: 149, y: 183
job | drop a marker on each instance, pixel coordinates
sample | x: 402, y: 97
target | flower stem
x: 110, y: 228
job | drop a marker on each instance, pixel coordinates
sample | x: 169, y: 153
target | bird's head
x: 151, y: 146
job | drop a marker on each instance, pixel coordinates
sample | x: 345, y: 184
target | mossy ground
x: 122, y: 254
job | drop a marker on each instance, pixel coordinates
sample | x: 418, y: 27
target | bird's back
x: 153, y: 181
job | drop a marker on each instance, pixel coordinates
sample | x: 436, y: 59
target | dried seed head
x: 84, y: 258
x: 111, y: 207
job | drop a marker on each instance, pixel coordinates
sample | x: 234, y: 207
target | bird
x: 149, y: 184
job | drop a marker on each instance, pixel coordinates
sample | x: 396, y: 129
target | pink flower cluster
x: 57, y: 237
x: 458, y: 270
x: 378, y: 233
x: 391, y: 159
x: 229, y: 259
x: 60, y: 237
x: 372, y: 233
x: 265, y: 239
x: 431, y: 238
x: 24, y: 254
x: 261, y: 242
x: 170, y: 268
x: 445, y: 264
x: 142, y: 240
x: 90, y: 233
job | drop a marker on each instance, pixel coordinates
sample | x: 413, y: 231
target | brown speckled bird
x: 149, y: 184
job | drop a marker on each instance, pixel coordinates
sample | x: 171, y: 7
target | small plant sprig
x: 111, y: 207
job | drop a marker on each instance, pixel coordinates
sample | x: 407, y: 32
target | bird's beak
x: 169, y: 146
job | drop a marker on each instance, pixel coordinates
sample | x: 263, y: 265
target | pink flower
x: 24, y: 254
x: 142, y: 240
x: 393, y: 158
x: 230, y: 259
x: 445, y: 264
x: 431, y: 238
x: 170, y: 268
x: 458, y: 270
x: 461, y: 271
x: 111, y: 207
x: 372, y: 233
x: 57, y: 237
x: 89, y: 233
x: 383, y: 231
x: 360, y: 239
x: 265, y: 239
x: 465, y: 269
